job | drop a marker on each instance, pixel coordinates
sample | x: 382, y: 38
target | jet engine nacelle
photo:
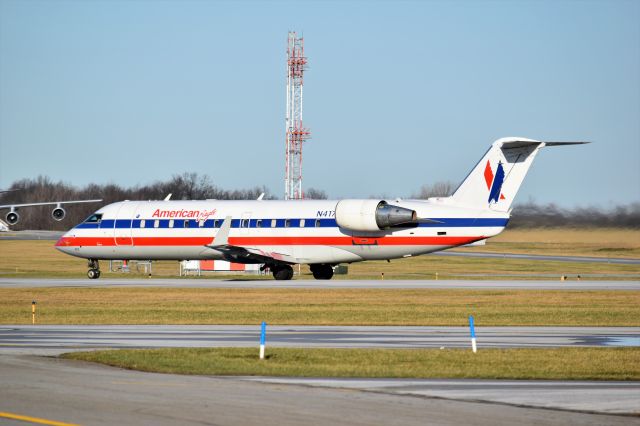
x: 12, y: 217
x: 371, y: 215
x: 58, y: 214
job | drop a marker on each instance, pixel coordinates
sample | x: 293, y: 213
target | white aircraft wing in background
x: 58, y: 213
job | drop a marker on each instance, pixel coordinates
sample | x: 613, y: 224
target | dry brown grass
x: 598, y: 242
x: 319, y: 307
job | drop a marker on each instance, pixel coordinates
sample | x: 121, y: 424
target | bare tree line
x: 532, y: 215
x: 191, y: 186
x: 187, y: 186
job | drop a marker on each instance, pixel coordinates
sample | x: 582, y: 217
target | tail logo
x: 494, y: 182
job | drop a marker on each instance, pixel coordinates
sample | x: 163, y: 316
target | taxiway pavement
x: 319, y: 284
x: 88, y: 394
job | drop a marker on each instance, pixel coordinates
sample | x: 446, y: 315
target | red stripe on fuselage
x: 266, y: 241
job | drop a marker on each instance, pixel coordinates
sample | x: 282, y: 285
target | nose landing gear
x: 94, y: 269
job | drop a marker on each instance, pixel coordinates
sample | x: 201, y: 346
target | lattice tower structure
x: 296, y: 133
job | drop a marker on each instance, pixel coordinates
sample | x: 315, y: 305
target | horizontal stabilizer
x: 512, y: 144
x: 564, y: 143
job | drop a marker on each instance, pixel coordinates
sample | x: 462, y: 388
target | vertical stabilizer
x: 495, y: 180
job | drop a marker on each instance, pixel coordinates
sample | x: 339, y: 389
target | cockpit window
x: 94, y: 218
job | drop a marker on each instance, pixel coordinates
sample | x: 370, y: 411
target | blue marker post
x: 263, y: 338
x: 473, y: 335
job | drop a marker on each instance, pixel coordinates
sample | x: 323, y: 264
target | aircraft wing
x: 49, y: 203
x: 241, y: 254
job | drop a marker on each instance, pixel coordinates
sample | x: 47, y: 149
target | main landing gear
x: 321, y: 271
x: 94, y: 269
x: 281, y: 272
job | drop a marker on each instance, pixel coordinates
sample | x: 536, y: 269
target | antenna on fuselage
x: 168, y: 197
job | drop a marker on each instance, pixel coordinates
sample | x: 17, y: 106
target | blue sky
x: 397, y: 94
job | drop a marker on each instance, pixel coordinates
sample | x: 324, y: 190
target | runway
x: 57, y: 339
x: 320, y: 284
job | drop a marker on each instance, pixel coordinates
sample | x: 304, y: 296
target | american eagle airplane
x: 320, y: 233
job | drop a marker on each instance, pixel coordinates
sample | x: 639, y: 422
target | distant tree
x: 315, y: 194
x: 531, y: 215
x: 186, y: 186
x: 438, y: 189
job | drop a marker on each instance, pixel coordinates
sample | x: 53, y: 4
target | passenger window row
x: 217, y: 223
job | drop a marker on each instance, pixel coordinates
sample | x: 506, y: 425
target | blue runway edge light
x: 473, y: 334
x: 263, y: 332
x: 471, y: 327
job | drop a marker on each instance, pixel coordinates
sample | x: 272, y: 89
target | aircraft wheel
x: 93, y: 274
x: 322, y: 272
x: 282, y: 273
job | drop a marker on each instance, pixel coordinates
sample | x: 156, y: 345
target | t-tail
x: 494, y: 182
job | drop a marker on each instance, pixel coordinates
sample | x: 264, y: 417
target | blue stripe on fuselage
x: 280, y: 223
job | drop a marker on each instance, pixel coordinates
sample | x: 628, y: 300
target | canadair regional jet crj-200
x: 320, y: 233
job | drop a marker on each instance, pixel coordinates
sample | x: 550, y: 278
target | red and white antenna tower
x: 296, y: 133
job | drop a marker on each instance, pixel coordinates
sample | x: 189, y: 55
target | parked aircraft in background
x: 321, y: 233
x: 58, y: 213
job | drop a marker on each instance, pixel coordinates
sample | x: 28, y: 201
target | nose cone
x: 65, y: 243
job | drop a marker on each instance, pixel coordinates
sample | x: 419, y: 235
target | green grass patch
x: 547, y: 364
x: 139, y: 305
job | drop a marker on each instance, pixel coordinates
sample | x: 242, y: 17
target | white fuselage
x: 304, y: 230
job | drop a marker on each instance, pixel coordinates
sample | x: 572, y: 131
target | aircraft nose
x: 65, y: 242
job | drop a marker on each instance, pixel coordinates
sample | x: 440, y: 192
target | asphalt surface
x: 319, y: 284
x: 611, y: 397
x: 31, y: 235
x: 57, y: 339
x: 83, y: 393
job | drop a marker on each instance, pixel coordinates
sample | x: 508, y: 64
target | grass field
x: 320, y: 306
x: 40, y: 259
x: 597, y: 242
x: 557, y: 364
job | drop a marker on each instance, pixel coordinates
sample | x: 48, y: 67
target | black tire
x: 93, y: 274
x: 322, y: 272
x: 282, y: 273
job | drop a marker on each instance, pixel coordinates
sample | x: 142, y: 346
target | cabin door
x: 122, y: 228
